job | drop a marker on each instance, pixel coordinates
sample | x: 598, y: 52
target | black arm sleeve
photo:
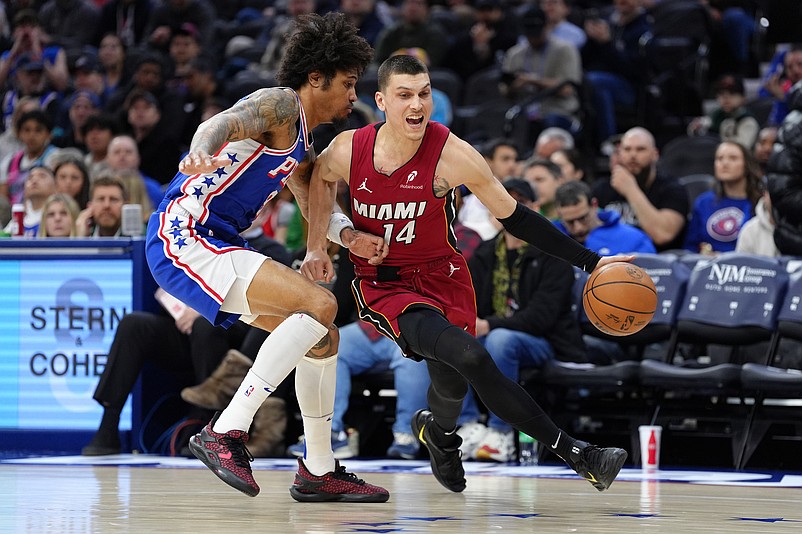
x: 538, y: 231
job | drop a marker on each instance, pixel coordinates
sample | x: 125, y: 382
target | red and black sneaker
x: 335, y: 486
x: 226, y: 455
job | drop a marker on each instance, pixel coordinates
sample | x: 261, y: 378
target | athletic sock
x: 278, y: 355
x: 315, y: 383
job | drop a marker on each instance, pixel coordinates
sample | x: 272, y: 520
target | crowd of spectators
x: 101, y: 98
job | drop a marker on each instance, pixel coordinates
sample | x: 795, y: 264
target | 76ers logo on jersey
x: 285, y: 169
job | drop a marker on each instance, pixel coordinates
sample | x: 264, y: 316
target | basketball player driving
x: 238, y: 160
x: 405, y: 171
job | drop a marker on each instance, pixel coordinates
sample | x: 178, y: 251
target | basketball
x: 619, y: 299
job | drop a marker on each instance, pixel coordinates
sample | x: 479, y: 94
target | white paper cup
x: 650, y: 446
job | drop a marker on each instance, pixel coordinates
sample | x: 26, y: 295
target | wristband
x: 337, y: 223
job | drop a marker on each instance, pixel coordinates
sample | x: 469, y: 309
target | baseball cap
x: 136, y: 95
x: 89, y: 95
x: 521, y: 187
x: 87, y: 63
x: 190, y: 29
x: 729, y: 84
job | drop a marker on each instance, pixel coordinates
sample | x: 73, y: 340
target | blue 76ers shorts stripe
x: 195, y: 267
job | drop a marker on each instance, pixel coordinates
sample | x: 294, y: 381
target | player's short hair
x: 400, y: 64
x: 327, y: 44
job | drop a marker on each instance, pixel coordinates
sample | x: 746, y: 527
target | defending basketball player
x: 238, y: 160
x: 404, y: 172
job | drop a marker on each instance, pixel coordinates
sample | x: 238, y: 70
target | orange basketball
x: 619, y: 299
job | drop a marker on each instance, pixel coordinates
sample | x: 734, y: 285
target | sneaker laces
x: 341, y: 474
x: 239, y: 452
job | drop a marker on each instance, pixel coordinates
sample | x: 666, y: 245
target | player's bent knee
x: 322, y: 306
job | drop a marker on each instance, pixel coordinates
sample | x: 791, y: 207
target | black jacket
x: 545, y: 299
x: 785, y: 178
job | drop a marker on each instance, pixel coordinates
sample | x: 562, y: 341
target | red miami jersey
x: 417, y: 226
x: 402, y: 207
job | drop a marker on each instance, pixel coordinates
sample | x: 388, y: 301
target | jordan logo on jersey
x: 451, y: 269
x: 364, y: 186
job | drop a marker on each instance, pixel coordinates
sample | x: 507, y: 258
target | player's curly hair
x: 326, y: 44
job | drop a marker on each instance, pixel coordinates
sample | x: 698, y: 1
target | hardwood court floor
x: 178, y: 497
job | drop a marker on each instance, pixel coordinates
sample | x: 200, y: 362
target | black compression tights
x: 451, y: 352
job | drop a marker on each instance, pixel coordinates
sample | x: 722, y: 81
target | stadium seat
x: 731, y: 300
x: 684, y: 155
x: 696, y: 184
x: 772, y: 379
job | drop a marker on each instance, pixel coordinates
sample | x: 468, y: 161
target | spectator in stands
x: 785, y: 179
x: 111, y: 56
x: 123, y: 154
x: 281, y: 30
x: 524, y: 299
x: 362, y: 14
x: 58, y: 216
x: 184, y: 48
x: 615, y: 66
x: 9, y: 140
x: 34, y: 129
x: 202, y: 89
x: 651, y: 201
x: 32, y: 43
x: 103, y: 214
x: 98, y: 131
x: 764, y: 145
x: 601, y: 231
x: 80, y: 106
x: 501, y: 155
x: 719, y: 215
x: 27, y: 80
x: 757, y: 234
x: 168, y: 15
x: 149, y: 76
x: 158, y: 148
x: 364, y: 351
x: 415, y: 28
x: 39, y: 185
x: 731, y: 120
x: 125, y: 18
x: 545, y: 177
x: 71, y: 23
x: 550, y: 140
x: 535, y: 72
x: 491, y: 35
x: 72, y: 179
x: 779, y: 83
x: 559, y: 26
x: 87, y: 75
x: 570, y: 162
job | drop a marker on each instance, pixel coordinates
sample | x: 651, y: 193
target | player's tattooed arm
x: 262, y: 112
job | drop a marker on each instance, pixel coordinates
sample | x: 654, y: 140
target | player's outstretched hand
x: 199, y: 162
x: 368, y: 246
x: 612, y: 259
x: 317, y: 266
